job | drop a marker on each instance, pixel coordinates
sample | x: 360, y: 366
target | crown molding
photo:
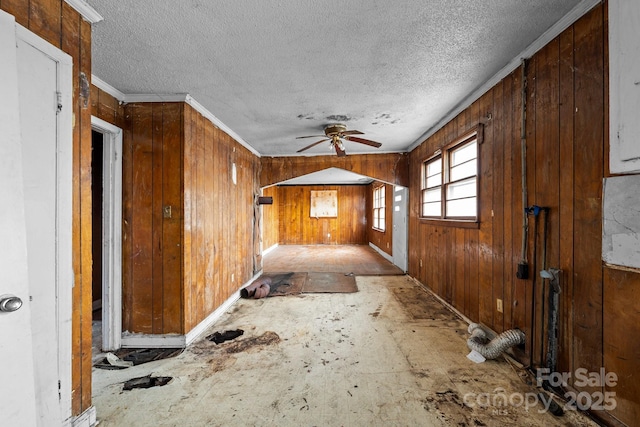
x: 101, y: 84
x: 216, y: 121
x: 155, y: 97
x: 87, y: 12
x: 126, y: 98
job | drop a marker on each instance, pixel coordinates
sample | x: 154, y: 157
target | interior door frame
x: 111, y: 233
x: 400, y: 231
x: 64, y: 214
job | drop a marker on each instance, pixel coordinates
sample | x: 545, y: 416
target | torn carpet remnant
x: 274, y: 284
x: 220, y: 337
x: 135, y: 356
x: 146, y: 382
x: 260, y: 288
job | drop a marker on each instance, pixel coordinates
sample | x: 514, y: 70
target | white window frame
x: 379, y: 205
x: 441, y: 182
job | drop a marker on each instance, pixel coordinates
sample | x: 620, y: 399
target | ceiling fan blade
x: 363, y: 141
x: 339, y: 151
x: 352, y: 132
x: 312, y: 145
x: 310, y: 136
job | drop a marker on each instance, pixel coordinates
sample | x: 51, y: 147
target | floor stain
x: 253, y: 343
x: 420, y: 305
x: 376, y: 313
x: 450, y: 407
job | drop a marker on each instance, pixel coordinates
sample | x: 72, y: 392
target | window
x: 450, y: 182
x: 378, y: 208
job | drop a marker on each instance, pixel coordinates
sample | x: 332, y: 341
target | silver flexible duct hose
x: 494, y: 348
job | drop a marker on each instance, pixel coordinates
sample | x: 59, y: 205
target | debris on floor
x: 359, y: 359
x: 260, y: 288
x: 272, y: 285
x: 491, y: 349
x: 144, y: 355
x: 220, y: 337
x: 146, y: 382
x: 127, y: 357
x: 111, y: 361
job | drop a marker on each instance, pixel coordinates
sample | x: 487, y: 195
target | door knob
x: 9, y: 304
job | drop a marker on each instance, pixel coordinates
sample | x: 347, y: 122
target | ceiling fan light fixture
x: 335, y: 133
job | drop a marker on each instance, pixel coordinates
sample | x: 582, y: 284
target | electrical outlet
x: 499, y: 305
x: 233, y: 277
x: 420, y: 262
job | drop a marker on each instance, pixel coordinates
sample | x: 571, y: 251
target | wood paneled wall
x: 59, y: 24
x: 566, y: 142
x: 151, y: 240
x: 296, y: 227
x: 270, y: 219
x: 390, y: 168
x: 218, y: 217
x: 106, y: 107
x: 382, y: 239
x: 178, y: 269
x: 621, y: 302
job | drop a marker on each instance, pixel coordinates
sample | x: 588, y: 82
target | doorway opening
x: 269, y: 225
x: 106, y: 185
x: 96, y: 222
x: 400, y: 227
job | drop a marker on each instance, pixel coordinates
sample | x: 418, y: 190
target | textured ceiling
x: 272, y: 70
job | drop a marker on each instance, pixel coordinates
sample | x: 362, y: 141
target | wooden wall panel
x: 296, y: 227
x: 152, y: 181
x: 20, y: 10
x: 172, y: 224
x: 497, y: 212
x: 106, y: 107
x: 270, y: 219
x: 382, y: 239
x: 485, y: 237
x: 589, y: 170
x: 566, y: 145
x: 389, y: 168
x: 85, y: 215
x: 59, y: 24
x: 189, y: 196
x: 218, y: 217
x: 566, y: 195
x: 621, y: 348
x: 139, y: 292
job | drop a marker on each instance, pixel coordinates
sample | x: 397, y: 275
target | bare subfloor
x: 354, y: 359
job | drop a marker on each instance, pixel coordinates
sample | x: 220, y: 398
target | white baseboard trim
x: 212, y: 318
x: 266, y: 251
x: 201, y: 327
x: 131, y: 340
x: 381, y: 252
x: 86, y: 419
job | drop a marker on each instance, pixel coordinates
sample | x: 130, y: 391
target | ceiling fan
x: 336, y: 133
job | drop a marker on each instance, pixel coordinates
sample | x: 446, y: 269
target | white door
x: 400, y: 227
x: 17, y: 392
x: 43, y: 86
